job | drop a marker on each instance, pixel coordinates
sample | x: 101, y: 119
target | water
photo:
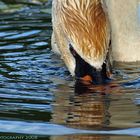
x: 40, y: 100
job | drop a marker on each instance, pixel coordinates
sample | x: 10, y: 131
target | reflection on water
x: 111, y: 106
x: 38, y: 96
x: 86, y: 110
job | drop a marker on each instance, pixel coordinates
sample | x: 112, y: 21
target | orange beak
x: 87, y: 78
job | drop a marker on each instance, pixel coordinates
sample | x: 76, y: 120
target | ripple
x: 11, y: 47
x: 4, y: 34
x: 23, y: 35
x: 52, y: 129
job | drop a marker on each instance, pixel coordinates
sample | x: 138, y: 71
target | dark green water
x: 40, y: 100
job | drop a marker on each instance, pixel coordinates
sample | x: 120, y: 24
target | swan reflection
x: 86, y: 108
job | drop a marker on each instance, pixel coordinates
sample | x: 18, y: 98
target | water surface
x: 39, y: 97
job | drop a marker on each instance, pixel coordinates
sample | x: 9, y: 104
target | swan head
x: 87, y: 73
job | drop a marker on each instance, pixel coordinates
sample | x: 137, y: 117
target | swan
x: 125, y: 29
x: 90, y: 34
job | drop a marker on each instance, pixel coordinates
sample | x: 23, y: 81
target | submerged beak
x: 88, y: 74
x: 92, y: 75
